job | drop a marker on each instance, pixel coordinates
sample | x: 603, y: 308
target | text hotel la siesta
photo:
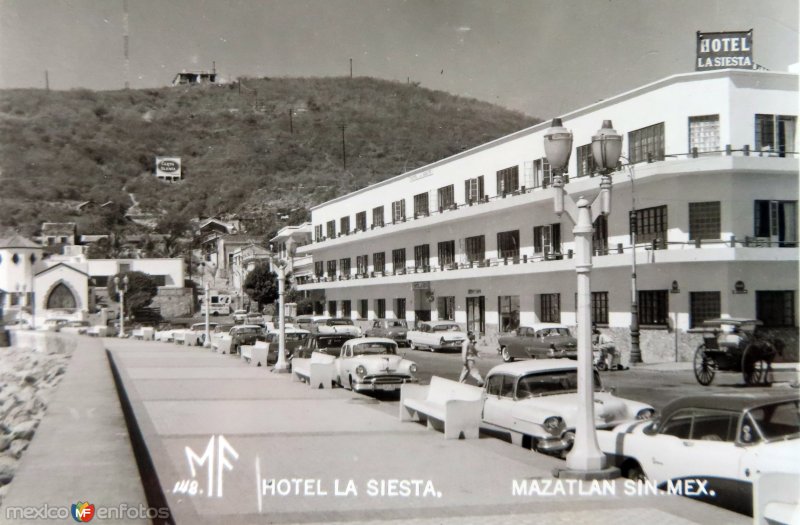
x: 711, y: 172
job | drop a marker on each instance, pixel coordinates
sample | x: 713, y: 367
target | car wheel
x: 634, y: 471
x: 506, y: 355
x: 412, y: 345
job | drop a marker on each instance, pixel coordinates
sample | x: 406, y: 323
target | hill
x: 263, y: 148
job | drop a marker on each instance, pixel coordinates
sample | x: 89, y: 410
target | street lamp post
x: 121, y: 293
x: 281, y: 366
x: 636, y: 352
x: 207, y: 341
x: 585, y: 460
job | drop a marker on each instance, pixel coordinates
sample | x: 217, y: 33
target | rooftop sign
x: 723, y: 50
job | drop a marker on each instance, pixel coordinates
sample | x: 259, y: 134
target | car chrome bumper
x: 382, y: 384
x: 553, y: 444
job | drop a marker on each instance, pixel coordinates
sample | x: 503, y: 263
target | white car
x: 536, y: 402
x: 372, y: 364
x: 436, y: 335
x: 239, y: 316
x: 719, y: 443
x: 335, y: 325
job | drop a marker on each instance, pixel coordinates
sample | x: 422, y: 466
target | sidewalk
x: 233, y: 443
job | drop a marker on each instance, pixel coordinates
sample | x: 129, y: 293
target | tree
x: 141, y: 289
x: 261, y: 285
x: 174, y: 227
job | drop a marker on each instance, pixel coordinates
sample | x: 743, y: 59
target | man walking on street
x: 469, y: 353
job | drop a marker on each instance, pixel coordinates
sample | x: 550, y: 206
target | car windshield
x: 223, y: 328
x: 446, y: 328
x: 248, y: 330
x: 553, y: 332
x: 339, y: 322
x: 396, y: 324
x: 549, y: 383
x: 331, y: 342
x: 777, y: 421
x: 374, y: 348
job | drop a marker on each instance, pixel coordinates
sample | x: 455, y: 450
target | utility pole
x: 344, y: 150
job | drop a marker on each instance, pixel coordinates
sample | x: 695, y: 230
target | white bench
x: 145, y: 333
x: 454, y: 405
x: 98, y: 331
x: 255, y: 354
x: 317, y: 371
x: 775, y: 498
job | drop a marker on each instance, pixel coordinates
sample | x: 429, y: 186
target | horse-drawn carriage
x: 735, y: 345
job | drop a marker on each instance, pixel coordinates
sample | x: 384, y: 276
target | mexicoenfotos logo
x: 82, y: 512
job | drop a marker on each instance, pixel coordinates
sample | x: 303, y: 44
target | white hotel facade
x: 713, y: 177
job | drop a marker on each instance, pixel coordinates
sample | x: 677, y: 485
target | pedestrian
x: 606, y: 345
x: 469, y: 353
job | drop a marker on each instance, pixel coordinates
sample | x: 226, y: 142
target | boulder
x: 25, y: 429
x: 17, y: 447
x: 8, y: 466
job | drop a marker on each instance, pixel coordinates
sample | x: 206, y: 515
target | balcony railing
x: 745, y: 151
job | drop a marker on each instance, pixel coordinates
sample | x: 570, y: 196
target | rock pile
x: 27, y: 379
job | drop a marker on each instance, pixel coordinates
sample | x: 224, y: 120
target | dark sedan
x: 245, y: 334
x: 394, y: 329
x: 329, y: 344
x: 544, y: 340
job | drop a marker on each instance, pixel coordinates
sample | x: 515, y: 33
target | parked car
x: 436, y: 335
x: 294, y: 338
x: 372, y: 364
x: 245, y: 334
x: 75, y: 327
x: 335, y: 325
x: 167, y: 334
x: 221, y: 338
x: 723, y: 440
x: 395, y: 329
x: 254, y: 319
x: 200, y: 329
x: 239, y: 316
x: 536, y: 402
x: 329, y: 344
x: 543, y: 340
x: 303, y: 321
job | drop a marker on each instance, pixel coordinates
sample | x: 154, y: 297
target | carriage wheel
x: 704, y: 366
x: 754, y: 366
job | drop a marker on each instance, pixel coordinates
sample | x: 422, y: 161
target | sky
x: 541, y: 57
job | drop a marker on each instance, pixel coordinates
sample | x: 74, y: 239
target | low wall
x: 44, y: 342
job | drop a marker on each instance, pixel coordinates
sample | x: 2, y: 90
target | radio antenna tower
x: 125, y: 41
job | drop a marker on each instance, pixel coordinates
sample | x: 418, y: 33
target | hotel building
x: 710, y: 182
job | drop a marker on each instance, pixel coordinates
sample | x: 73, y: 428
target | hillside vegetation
x: 242, y: 153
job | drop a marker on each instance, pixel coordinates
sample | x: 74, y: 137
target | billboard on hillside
x: 168, y: 168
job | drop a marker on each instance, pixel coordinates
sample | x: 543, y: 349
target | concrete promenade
x: 231, y: 443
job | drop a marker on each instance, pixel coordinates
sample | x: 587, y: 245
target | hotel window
x: 344, y: 225
x: 704, y: 134
x: 546, y: 239
x: 475, y: 248
x: 421, y: 204
x: 332, y: 268
x: 586, y: 165
x: 319, y: 268
x: 550, y: 306
x: 447, y: 197
x: 361, y: 264
x: 332, y: 308
x: 346, y: 309
x: 318, y: 232
x: 377, y: 216
x: 363, y: 308
x: 331, y: 229
x: 447, y: 253
x: 380, y: 308
x: 508, y: 244
x: 508, y: 180
x: 646, y: 142
x: 775, y: 308
x: 422, y: 256
x: 650, y: 224
x: 508, y: 309
x: 379, y: 262
x: 399, y: 211
x: 542, y: 175
x: 473, y: 189
x: 400, y: 308
x: 399, y: 259
x: 704, y: 220
x: 775, y: 133
x: 446, y: 308
x: 344, y: 266
x: 702, y: 306
x: 600, y: 235
x: 653, y: 307
x: 776, y: 221
x: 361, y: 221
